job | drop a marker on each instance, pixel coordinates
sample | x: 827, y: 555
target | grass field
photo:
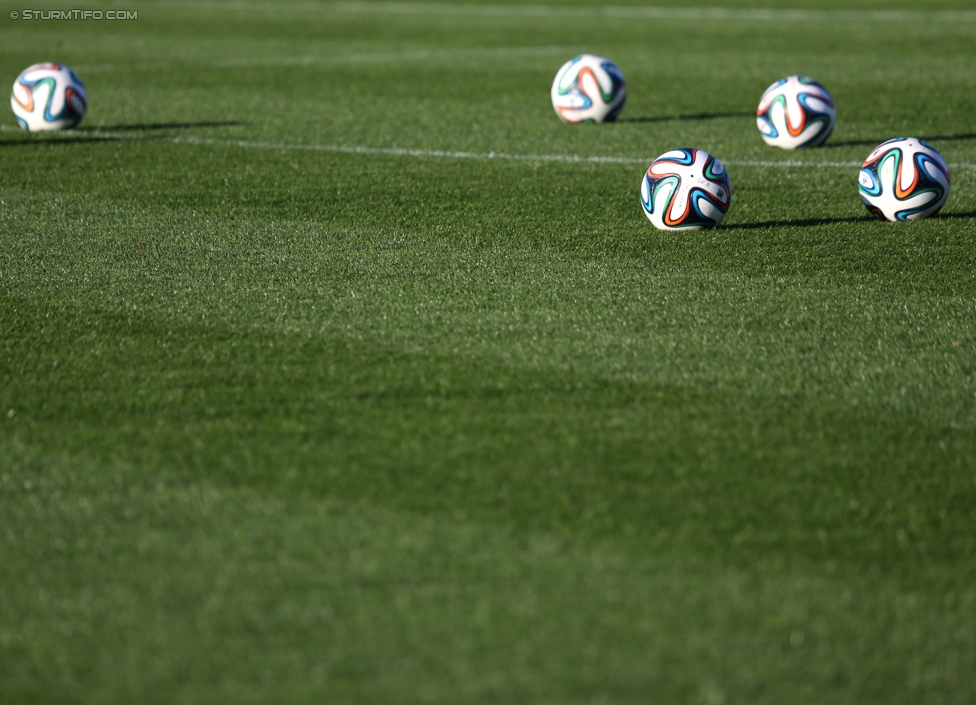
x: 327, y: 375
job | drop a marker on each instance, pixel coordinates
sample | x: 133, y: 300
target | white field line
x: 394, y: 56
x: 337, y: 59
x: 476, y: 156
x: 437, y: 153
x: 596, y: 11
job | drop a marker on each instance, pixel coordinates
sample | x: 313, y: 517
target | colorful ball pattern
x: 686, y: 189
x: 48, y: 97
x: 796, y: 112
x: 904, y: 179
x: 589, y: 88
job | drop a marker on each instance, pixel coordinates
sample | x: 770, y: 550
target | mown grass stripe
x: 577, y: 12
x: 656, y: 13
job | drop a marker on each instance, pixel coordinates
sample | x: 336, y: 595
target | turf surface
x: 285, y: 423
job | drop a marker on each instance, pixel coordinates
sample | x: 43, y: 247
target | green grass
x: 291, y: 425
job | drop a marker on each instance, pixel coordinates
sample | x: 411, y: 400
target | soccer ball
x: 904, y: 179
x: 589, y: 89
x: 796, y: 112
x: 48, y: 97
x: 686, y: 189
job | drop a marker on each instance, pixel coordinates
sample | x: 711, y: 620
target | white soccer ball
x: 796, y: 112
x: 686, y: 189
x: 904, y: 179
x: 48, y: 97
x: 589, y: 88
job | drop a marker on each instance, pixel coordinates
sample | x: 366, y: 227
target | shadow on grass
x: 679, y: 118
x: 86, y: 134
x: 57, y: 141
x: 149, y: 126
x: 927, y: 138
x: 813, y: 222
x: 804, y: 223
